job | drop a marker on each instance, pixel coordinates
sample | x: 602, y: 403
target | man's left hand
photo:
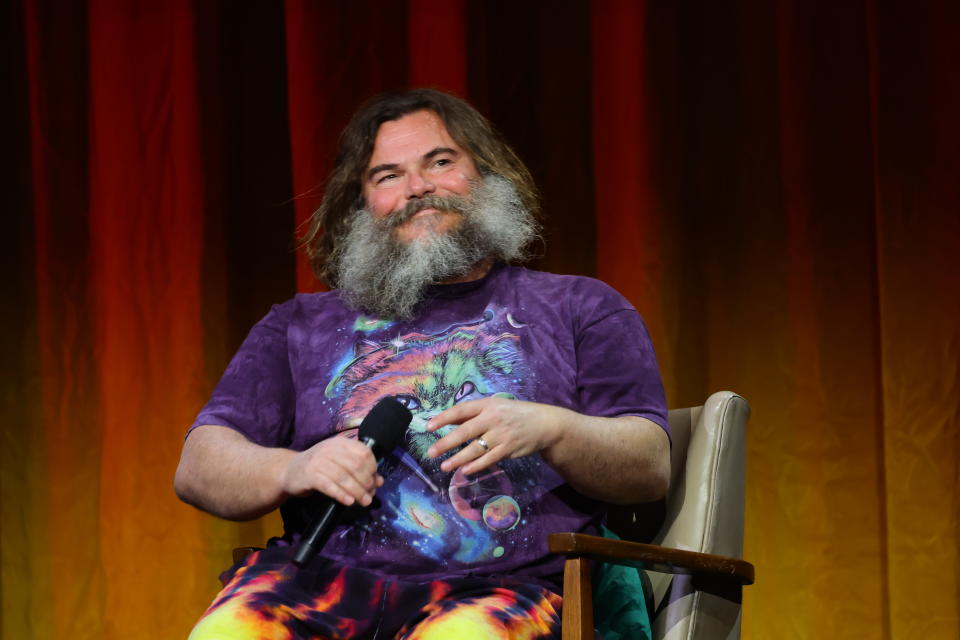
x: 508, y: 428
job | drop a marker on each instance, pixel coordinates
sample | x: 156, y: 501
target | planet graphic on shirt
x: 501, y: 513
x: 467, y: 493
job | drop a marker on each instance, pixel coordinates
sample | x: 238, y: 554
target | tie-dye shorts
x: 267, y: 597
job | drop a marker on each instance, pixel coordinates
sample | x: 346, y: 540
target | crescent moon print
x: 514, y: 323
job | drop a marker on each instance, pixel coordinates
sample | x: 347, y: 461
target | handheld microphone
x: 380, y: 430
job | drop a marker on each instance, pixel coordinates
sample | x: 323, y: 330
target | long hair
x: 344, y: 188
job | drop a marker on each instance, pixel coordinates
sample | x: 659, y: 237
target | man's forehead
x: 417, y: 133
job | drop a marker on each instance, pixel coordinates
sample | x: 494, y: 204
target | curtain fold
x: 54, y: 455
x: 773, y: 185
x: 145, y: 235
x: 326, y: 43
x: 627, y: 209
x: 916, y: 136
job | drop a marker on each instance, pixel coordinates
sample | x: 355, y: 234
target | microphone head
x: 385, y: 425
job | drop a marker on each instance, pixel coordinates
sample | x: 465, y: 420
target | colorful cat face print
x: 443, y: 513
x: 428, y: 374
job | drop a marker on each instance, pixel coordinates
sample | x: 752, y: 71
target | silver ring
x: 483, y: 444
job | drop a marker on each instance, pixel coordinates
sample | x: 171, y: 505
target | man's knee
x: 494, y: 617
x: 231, y: 621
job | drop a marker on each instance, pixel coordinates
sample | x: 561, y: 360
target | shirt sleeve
x: 255, y: 396
x: 617, y: 372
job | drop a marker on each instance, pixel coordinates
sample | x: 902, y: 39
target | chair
x: 692, y: 563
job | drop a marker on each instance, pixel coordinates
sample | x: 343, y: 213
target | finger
x: 469, y: 452
x: 334, y: 491
x: 457, y: 414
x: 359, y: 465
x: 345, y: 490
x: 357, y: 461
x: 487, y: 460
x: 463, y: 434
x: 475, y: 463
x: 357, y: 455
x: 347, y: 484
x: 342, y: 452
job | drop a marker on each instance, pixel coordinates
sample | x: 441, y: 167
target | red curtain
x: 773, y: 185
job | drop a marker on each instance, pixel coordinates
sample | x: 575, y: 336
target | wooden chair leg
x: 577, y: 600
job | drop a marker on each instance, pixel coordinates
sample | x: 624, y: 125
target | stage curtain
x: 773, y: 185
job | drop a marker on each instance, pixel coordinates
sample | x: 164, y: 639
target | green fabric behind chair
x: 619, y: 600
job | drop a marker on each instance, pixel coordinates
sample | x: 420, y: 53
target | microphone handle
x: 312, y: 542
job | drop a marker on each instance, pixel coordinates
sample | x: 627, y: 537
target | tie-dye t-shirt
x: 313, y: 367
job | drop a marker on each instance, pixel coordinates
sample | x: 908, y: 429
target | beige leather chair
x: 693, y: 560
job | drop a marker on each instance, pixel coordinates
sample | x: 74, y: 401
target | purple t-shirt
x: 313, y: 367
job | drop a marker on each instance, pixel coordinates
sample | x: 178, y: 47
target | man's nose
x: 418, y: 185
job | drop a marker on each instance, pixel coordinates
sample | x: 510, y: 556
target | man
x: 535, y: 398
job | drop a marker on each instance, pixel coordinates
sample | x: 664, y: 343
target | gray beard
x: 387, y: 277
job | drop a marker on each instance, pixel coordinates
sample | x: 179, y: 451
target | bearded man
x: 535, y: 398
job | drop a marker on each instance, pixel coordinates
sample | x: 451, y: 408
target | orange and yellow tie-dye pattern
x: 269, y: 598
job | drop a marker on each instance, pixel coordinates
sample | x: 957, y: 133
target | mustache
x: 456, y: 204
x: 380, y: 274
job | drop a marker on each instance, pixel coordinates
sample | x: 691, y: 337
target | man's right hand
x: 340, y: 467
x: 225, y: 474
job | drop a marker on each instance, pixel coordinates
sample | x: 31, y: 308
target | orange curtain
x: 773, y: 185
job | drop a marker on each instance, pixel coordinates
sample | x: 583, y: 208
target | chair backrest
x: 703, y: 512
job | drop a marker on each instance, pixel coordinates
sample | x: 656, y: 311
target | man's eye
x: 385, y: 177
x: 442, y: 162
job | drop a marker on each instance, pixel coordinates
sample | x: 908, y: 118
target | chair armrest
x: 650, y: 556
